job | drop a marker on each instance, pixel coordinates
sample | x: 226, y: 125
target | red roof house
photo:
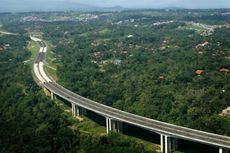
x: 199, y: 72
x: 227, y: 25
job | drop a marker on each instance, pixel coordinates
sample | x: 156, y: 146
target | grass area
x: 89, y: 126
x: 151, y: 13
x: 104, y: 32
x: 197, y: 28
x: 51, y: 72
x: 86, y: 34
x: 37, y: 34
x: 99, y: 41
x: 50, y: 56
x: 34, y: 49
x: 86, y: 125
x: 82, y: 123
x: 50, y: 62
x: 148, y: 145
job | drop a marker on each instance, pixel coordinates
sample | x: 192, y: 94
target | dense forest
x: 132, y: 63
x: 31, y: 122
x: 170, y: 65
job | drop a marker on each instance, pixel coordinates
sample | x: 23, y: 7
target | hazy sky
x: 6, y: 5
x: 159, y: 3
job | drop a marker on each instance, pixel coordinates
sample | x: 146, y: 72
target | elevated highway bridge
x: 169, y: 133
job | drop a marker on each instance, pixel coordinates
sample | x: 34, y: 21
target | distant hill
x: 27, y: 6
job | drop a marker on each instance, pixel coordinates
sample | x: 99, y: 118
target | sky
x: 159, y: 3
x: 47, y: 5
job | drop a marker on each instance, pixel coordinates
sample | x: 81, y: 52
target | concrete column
x: 168, y: 144
x: 113, y: 125
x: 77, y: 110
x: 73, y: 109
x: 108, y: 125
x: 52, y: 96
x: 220, y: 150
x: 162, y: 143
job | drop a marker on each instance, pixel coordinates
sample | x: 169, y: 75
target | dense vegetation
x: 122, y: 59
x: 127, y: 62
x: 30, y: 122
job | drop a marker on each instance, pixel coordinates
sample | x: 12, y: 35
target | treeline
x: 30, y: 122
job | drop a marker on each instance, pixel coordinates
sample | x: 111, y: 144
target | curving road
x: 150, y: 124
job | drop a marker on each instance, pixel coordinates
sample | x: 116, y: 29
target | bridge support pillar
x: 113, y: 125
x: 222, y: 150
x: 108, y: 125
x: 53, y: 96
x: 162, y: 143
x: 168, y: 144
x: 77, y: 111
